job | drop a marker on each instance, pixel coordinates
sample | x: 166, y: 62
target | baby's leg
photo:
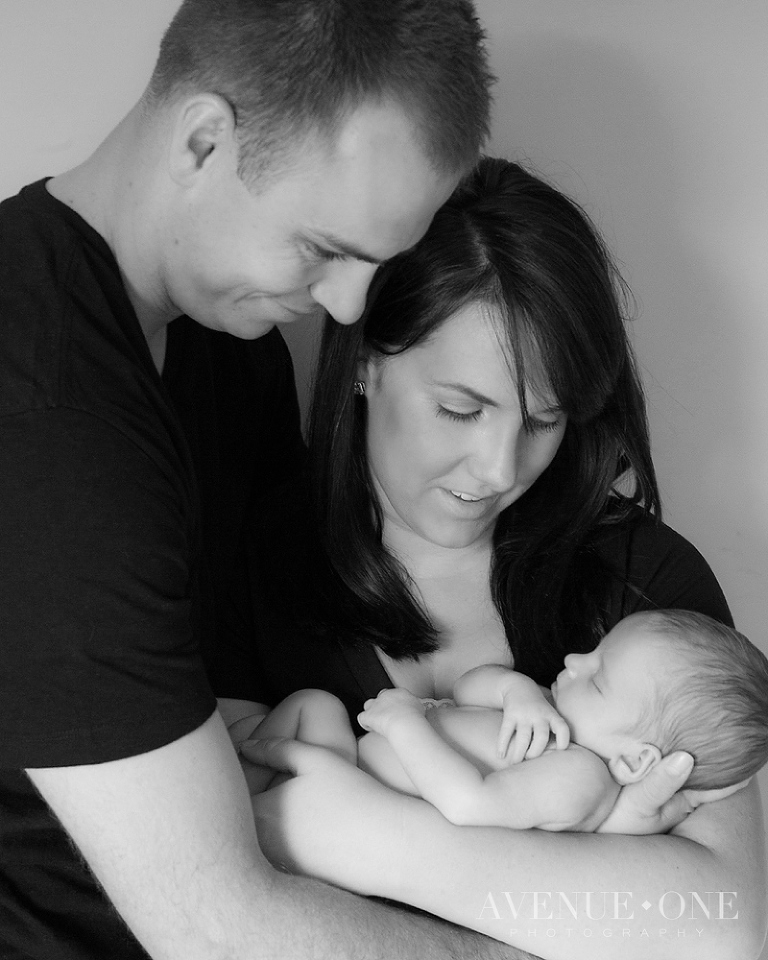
x: 312, y: 716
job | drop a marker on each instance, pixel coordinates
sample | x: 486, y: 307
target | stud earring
x: 359, y: 388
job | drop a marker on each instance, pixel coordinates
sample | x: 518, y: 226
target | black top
x: 122, y: 500
x: 647, y: 566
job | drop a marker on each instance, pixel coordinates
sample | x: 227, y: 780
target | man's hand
x: 318, y: 822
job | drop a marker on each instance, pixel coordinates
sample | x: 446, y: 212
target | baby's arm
x: 527, y: 714
x: 568, y: 790
x: 439, y: 774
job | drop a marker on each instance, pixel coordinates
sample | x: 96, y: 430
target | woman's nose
x: 343, y: 288
x: 495, y: 460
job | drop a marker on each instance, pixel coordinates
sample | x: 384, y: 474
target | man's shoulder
x: 65, y: 318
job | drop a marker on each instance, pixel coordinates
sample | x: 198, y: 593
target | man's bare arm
x: 170, y: 836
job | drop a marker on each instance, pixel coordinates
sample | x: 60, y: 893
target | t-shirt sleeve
x: 99, y: 659
x: 659, y: 569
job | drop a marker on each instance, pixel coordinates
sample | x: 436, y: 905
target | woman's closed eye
x: 543, y: 426
x: 458, y: 416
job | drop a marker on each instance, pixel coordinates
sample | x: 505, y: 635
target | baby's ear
x: 633, y: 765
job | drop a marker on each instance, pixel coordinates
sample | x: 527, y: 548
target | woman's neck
x: 427, y: 561
x: 453, y: 585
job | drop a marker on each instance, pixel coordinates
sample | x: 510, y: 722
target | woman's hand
x: 391, y: 706
x: 658, y: 803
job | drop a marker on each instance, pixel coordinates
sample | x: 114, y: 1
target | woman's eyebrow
x: 487, y: 401
x: 467, y: 391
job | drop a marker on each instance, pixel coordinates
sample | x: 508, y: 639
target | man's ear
x: 205, y: 125
x: 634, y: 764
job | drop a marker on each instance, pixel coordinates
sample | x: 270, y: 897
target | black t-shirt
x: 123, y: 495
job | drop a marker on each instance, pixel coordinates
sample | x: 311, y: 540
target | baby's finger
x: 506, y: 731
x: 562, y: 733
x: 363, y: 720
x: 520, y: 744
x: 539, y: 740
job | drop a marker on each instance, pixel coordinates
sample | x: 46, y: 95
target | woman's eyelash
x: 535, y: 426
x: 456, y: 416
x: 542, y: 426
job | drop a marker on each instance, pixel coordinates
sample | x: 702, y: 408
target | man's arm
x: 170, y: 836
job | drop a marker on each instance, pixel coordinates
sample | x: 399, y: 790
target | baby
x: 658, y: 682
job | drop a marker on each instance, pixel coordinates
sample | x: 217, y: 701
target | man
x: 282, y: 151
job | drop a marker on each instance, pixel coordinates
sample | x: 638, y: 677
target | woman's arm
x: 698, y: 893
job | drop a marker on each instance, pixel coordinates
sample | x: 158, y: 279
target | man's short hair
x: 715, y: 705
x: 291, y: 68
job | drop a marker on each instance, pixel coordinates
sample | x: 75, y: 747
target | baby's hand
x: 379, y: 714
x: 529, y: 719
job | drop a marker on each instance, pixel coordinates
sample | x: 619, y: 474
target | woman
x: 484, y: 492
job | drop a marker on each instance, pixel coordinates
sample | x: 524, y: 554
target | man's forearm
x: 339, y: 925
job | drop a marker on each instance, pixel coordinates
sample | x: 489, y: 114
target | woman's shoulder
x: 638, y: 535
x: 657, y: 567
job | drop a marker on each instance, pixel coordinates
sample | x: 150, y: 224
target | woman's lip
x: 466, y: 497
x: 469, y: 509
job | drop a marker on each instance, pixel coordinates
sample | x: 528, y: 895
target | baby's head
x: 669, y: 680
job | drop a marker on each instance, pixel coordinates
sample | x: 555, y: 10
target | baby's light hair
x: 715, y: 706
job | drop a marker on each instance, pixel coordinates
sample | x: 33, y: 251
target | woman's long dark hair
x: 510, y: 241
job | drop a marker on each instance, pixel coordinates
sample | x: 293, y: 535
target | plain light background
x: 653, y: 114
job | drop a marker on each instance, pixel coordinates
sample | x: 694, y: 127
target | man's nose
x: 343, y: 288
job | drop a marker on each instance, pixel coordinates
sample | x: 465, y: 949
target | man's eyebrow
x: 348, y: 249
x: 352, y: 250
